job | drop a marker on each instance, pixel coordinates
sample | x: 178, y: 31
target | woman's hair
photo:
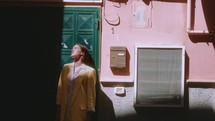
x: 87, y: 59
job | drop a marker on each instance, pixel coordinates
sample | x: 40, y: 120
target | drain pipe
x: 190, y: 30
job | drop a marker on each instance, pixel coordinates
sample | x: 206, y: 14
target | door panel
x: 85, y: 21
x: 80, y: 26
x: 68, y: 22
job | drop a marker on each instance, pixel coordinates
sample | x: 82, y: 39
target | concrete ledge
x: 201, y: 83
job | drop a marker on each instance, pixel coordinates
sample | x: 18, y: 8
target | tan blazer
x: 84, y: 92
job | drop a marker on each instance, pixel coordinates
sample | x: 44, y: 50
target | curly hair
x: 87, y: 59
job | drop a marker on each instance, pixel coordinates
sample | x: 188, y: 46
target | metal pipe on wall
x: 190, y: 30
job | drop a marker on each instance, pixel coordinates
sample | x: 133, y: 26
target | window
x: 159, y: 76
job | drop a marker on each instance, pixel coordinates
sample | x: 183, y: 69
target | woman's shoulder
x: 67, y: 65
x: 89, y: 68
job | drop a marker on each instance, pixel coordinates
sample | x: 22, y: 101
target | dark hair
x: 87, y: 59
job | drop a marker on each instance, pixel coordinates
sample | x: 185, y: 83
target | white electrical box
x: 119, y: 90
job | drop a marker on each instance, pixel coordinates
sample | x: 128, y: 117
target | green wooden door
x: 80, y: 25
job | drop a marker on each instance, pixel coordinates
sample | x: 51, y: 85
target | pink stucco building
x: 38, y: 27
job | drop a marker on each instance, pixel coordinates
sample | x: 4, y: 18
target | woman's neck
x: 78, y: 63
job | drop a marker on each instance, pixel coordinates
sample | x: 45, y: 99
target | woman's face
x: 76, y: 52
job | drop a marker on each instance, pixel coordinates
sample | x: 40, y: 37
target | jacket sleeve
x: 91, y: 90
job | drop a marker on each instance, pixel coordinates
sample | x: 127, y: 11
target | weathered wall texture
x: 163, y: 22
x: 199, y: 106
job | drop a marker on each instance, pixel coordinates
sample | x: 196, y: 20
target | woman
x: 76, y: 91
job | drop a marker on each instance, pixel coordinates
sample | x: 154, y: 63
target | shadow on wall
x: 32, y: 35
x: 202, y: 114
x: 106, y: 110
x: 208, y: 8
x: 187, y: 66
x: 203, y: 39
x: 175, y: 1
x: 118, y: 2
x: 169, y: 114
x: 202, y: 103
x: 165, y: 113
x: 162, y: 114
x: 147, y: 2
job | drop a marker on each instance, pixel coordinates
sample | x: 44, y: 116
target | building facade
x: 37, y: 27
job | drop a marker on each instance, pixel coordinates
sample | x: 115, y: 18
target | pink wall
x: 166, y: 26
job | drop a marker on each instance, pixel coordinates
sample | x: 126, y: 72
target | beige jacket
x: 84, y: 93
